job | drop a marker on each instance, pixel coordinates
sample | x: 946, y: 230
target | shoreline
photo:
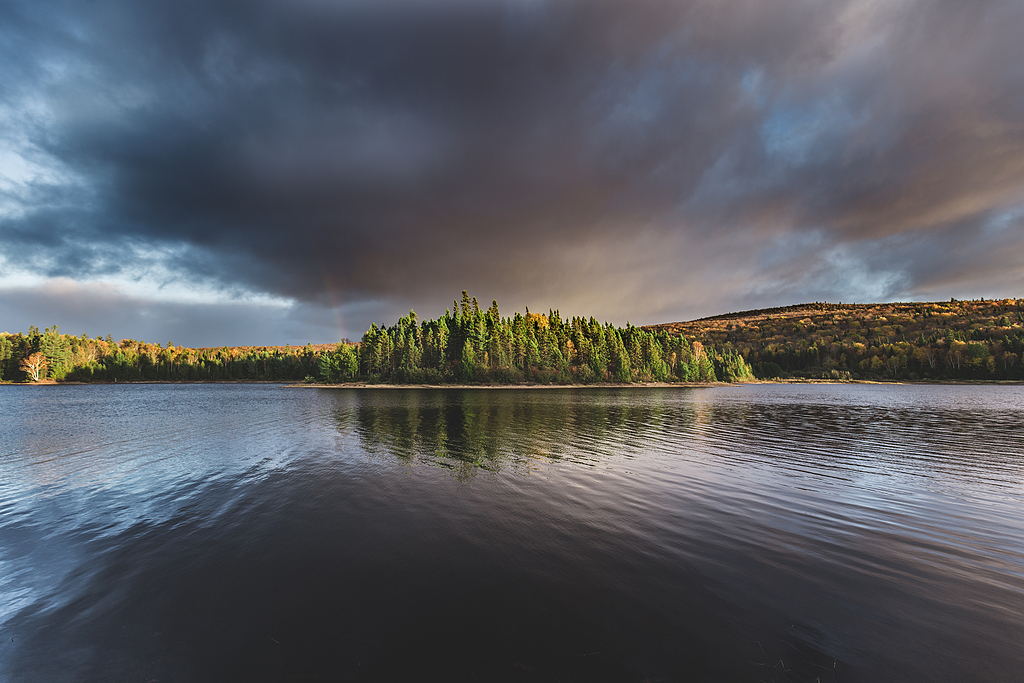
x: 299, y: 384
x: 56, y: 383
x: 597, y: 385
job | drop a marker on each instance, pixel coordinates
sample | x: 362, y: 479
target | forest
x: 51, y: 355
x: 467, y: 344
x: 954, y: 340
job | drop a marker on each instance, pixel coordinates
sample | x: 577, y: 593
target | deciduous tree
x: 34, y: 365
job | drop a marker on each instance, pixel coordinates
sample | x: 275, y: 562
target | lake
x: 744, y: 533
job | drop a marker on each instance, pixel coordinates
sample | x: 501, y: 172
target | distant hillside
x: 938, y: 340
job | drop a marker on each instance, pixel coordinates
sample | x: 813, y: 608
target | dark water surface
x: 761, y: 533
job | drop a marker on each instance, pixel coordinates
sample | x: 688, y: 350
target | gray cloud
x: 99, y: 310
x: 645, y: 161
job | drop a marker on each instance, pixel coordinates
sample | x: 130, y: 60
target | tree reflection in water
x: 467, y: 430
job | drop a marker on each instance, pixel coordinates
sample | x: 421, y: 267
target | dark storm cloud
x: 642, y: 160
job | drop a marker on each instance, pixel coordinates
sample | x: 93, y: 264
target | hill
x: 935, y: 340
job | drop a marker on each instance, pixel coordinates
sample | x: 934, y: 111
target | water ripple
x: 271, y: 533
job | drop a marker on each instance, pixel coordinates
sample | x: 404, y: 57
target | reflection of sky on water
x: 837, y: 508
x: 876, y: 436
x: 84, y: 465
x: 910, y: 466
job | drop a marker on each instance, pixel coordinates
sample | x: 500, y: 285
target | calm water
x: 761, y: 533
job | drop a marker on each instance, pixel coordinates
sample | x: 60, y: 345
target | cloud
x: 99, y: 309
x: 644, y: 161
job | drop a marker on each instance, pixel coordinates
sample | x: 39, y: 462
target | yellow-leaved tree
x: 34, y: 365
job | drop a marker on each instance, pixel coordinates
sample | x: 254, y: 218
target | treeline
x: 955, y: 340
x: 969, y: 340
x: 64, y: 357
x: 467, y: 344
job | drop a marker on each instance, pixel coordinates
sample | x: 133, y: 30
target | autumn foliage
x: 34, y: 365
x: 979, y: 340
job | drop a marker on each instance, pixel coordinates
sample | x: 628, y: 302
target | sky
x: 220, y: 172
